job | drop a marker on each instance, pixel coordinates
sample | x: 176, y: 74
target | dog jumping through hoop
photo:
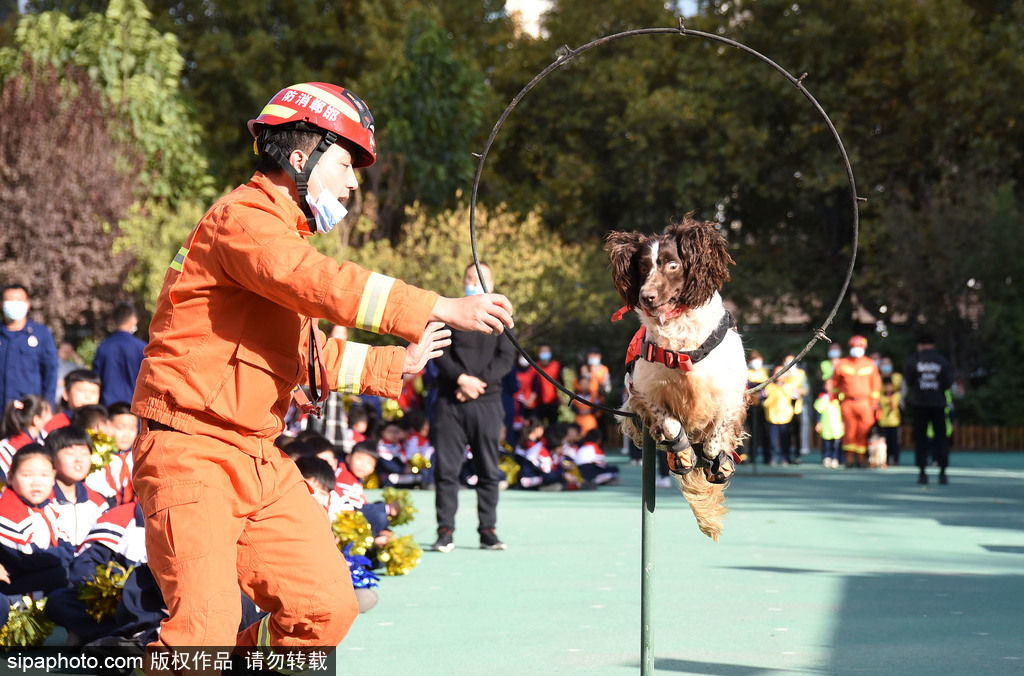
x: 687, y: 373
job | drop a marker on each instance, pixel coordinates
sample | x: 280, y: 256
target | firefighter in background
x: 233, y: 333
x: 859, y: 386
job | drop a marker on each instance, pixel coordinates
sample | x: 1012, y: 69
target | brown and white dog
x: 688, y: 380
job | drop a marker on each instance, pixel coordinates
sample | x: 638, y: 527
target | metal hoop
x: 568, y: 55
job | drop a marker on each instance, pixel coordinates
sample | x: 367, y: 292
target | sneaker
x: 943, y: 479
x: 444, y: 541
x: 489, y: 540
x: 922, y: 478
x: 663, y: 482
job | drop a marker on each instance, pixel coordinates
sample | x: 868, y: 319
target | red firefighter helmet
x: 858, y: 341
x: 327, y: 107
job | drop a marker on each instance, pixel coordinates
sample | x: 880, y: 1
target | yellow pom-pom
x: 400, y: 556
x: 353, y: 528
x: 371, y: 482
x: 103, y: 449
x: 510, y: 467
x: 27, y: 624
x: 347, y: 400
x: 418, y: 463
x: 391, y: 410
x: 102, y: 592
x: 400, y: 498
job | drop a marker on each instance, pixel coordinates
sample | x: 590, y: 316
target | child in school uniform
x: 34, y: 550
x: 76, y: 505
x: 590, y: 460
x: 537, y: 467
x: 829, y: 427
x: 23, y: 423
x: 120, y: 425
x: 417, y: 443
x: 118, y: 536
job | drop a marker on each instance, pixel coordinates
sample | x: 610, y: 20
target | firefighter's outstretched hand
x: 431, y: 346
x: 484, y: 313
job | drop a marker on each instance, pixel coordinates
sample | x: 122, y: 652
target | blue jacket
x: 118, y: 359
x: 28, y: 362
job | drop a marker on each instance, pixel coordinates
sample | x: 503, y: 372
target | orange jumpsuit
x: 224, y: 507
x: 859, y: 386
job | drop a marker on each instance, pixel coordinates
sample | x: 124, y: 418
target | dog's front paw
x: 667, y: 431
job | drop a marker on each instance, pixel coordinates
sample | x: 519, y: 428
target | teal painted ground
x: 819, y: 571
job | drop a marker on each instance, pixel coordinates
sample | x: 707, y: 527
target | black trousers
x: 938, y: 445
x: 456, y: 424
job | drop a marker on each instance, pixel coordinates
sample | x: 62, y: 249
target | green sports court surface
x: 819, y: 571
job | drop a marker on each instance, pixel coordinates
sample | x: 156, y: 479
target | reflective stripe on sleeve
x: 373, y: 302
x: 351, y: 371
x: 179, y: 259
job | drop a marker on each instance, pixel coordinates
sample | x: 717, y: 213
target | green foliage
x: 548, y: 280
x: 138, y: 71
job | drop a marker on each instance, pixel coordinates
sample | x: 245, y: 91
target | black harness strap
x: 649, y: 351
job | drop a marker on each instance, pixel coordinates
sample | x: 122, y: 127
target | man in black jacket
x: 928, y: 378
x: 469, y: 411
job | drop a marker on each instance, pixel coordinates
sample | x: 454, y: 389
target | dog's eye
x: 672, y: 266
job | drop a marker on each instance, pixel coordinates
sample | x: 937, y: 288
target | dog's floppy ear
x: 622, y: 248
x: 705, y: 253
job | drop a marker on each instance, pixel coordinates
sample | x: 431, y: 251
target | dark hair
x: 592, y: 437
x: 63, y: 437
x: 119, y: 408
x: 81, y: 376
x: 367, y: 447
x: 316, y: 469
x: 288, y: 139
x: 89, y: 416
x: 319, y: 442
x: 554, y: 435
x: 415, y: 419
x: 25, y: 452
x: 122, y: 312
x: 532, y: 424
x: 358, y: 414
x: 18, y: 414
x: 12, y: 286
x: 925, y: 338
x: 298, y: 449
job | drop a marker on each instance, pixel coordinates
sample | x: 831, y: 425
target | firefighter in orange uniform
x: 859, y: 387
x: 231, y: 338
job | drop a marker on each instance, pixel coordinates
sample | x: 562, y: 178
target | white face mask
x: 756, y: 364
x: 856, y: 352
x: 594, y: 361
x: 523, y: 363
x: 15, y: 310
x: 327, y: 209
x: 473, y: 289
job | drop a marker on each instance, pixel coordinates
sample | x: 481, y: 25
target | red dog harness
x: 641, y: 348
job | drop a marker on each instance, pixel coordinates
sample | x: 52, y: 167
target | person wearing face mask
x: 233, y: 334
x: 757, y: 428
x: 859, y: 387
x: 28, y: 355
x: 593, y: 382
x: 119, y: 356
x: 889, y: 418
x: 548, y: 402
x: 469, y: 412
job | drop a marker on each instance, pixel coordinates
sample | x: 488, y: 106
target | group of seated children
x: 556, y: 457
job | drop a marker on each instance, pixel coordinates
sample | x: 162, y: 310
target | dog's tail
x: 707, y: 500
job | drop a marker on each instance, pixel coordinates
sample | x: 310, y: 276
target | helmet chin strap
x: 301, y: 178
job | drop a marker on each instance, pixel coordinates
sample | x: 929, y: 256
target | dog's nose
x: 648, y: 297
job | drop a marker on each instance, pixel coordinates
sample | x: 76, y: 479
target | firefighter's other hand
x: 431, y: 346
x: 484, y: 312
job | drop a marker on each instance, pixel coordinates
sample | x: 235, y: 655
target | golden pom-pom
x: 353, y: 528
x: 510, y: 467
x: 391, y: 410
x: 27, y: 624
x: 400, y: 556
x: 347, y: 400
x: 418, y: 463
x: 371, y: 482
x: 103, y: 449
x: 400, y: 498
x: 102, y: 592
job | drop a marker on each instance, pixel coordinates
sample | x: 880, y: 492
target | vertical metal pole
x: 648, y: 473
